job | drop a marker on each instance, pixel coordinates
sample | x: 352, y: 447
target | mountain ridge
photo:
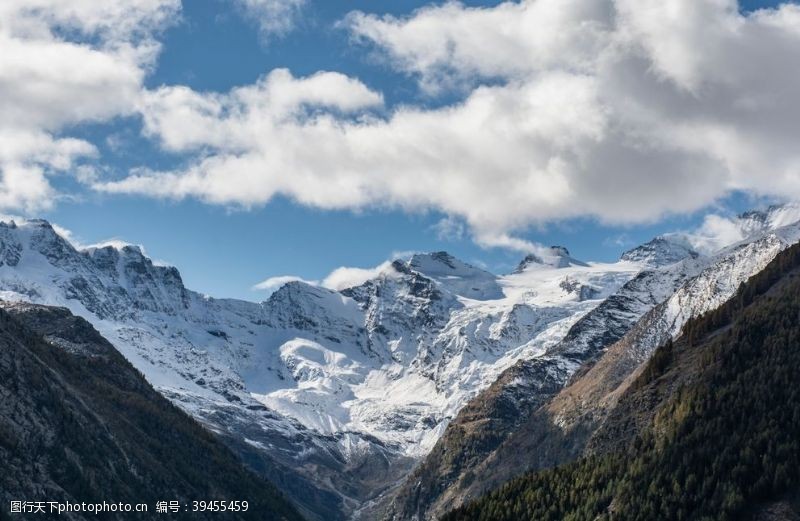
x: 312, y: 381
x: 729, y: 376
x: 496, y: 449
x: 80, y: 424
x: 338, y: 394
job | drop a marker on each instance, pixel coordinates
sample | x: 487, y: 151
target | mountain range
x: 707, y: 428
x: 79, y: 424
x: 416, y: 391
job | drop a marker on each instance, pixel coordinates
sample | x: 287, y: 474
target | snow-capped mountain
x: 316, y: 379
x: 662, y: 251
x: 571, y: 422
x: 457, y: 277
x: 679, y: 283
x: 484, y: 423
x: 554, y: 257
x: 338, y: 394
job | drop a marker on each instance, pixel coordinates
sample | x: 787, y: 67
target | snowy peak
x: 715, y: 234
x: 661, y: 251
x: 441, y: 264
x: 297, y: 289
x: 400, y: 281
x: 301, y: 307
x: 305, y: 299
x: 456, y: 276
x: 39, y: 236
x: 718, y: 232
x: 552, y: 257
x: 436, y: 262
x: 774, y: 217
x: 109, y: 281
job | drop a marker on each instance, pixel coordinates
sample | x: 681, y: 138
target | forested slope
x: 710, y: 430
x: 79, y: 424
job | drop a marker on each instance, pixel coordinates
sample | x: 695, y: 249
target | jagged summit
x: 120, y: 246
x: 670, y: 248
x: 109, y: 282
x: 456, y: 276
x: 773, y: 217
x: 42, y: 236
x: 441, y: 263
x: 529, y: 260
x: 442, y: 258
x: 662, y: 251
x: 34, y: 223
x: 552, y: 257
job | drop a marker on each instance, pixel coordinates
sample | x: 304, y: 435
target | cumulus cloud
x: 275, y: 18
x: 623, y: 111
x: 62, y: 64
x: 240, y: 121
x: 619, y: 110
x: 448, y: 45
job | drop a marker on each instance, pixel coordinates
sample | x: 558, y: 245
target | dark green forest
x: 727, y: 439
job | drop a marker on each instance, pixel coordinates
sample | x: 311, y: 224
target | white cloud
x: 449, y: 229
x: 620, y: 110
x: 68, y: 235
x: 274, y: 18
x: 241, y: 120
x: 488, y: 160
x: 622, y: 240
x: 340, y: 278
x: 346, y: 277
x: 66, y: 63
x: 716, y: 232
x: 490, y: 239
x: 449, y: 44
x: 273, y: 283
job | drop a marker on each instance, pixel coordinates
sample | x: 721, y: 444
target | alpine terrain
x: 706, y: 429
x: 78, y: 424
x: 527, y: 419
x: 389, y: 398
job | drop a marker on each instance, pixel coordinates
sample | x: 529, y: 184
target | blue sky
x: 223, y: 250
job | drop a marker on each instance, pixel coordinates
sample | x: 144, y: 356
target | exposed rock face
x: 457, y: 277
